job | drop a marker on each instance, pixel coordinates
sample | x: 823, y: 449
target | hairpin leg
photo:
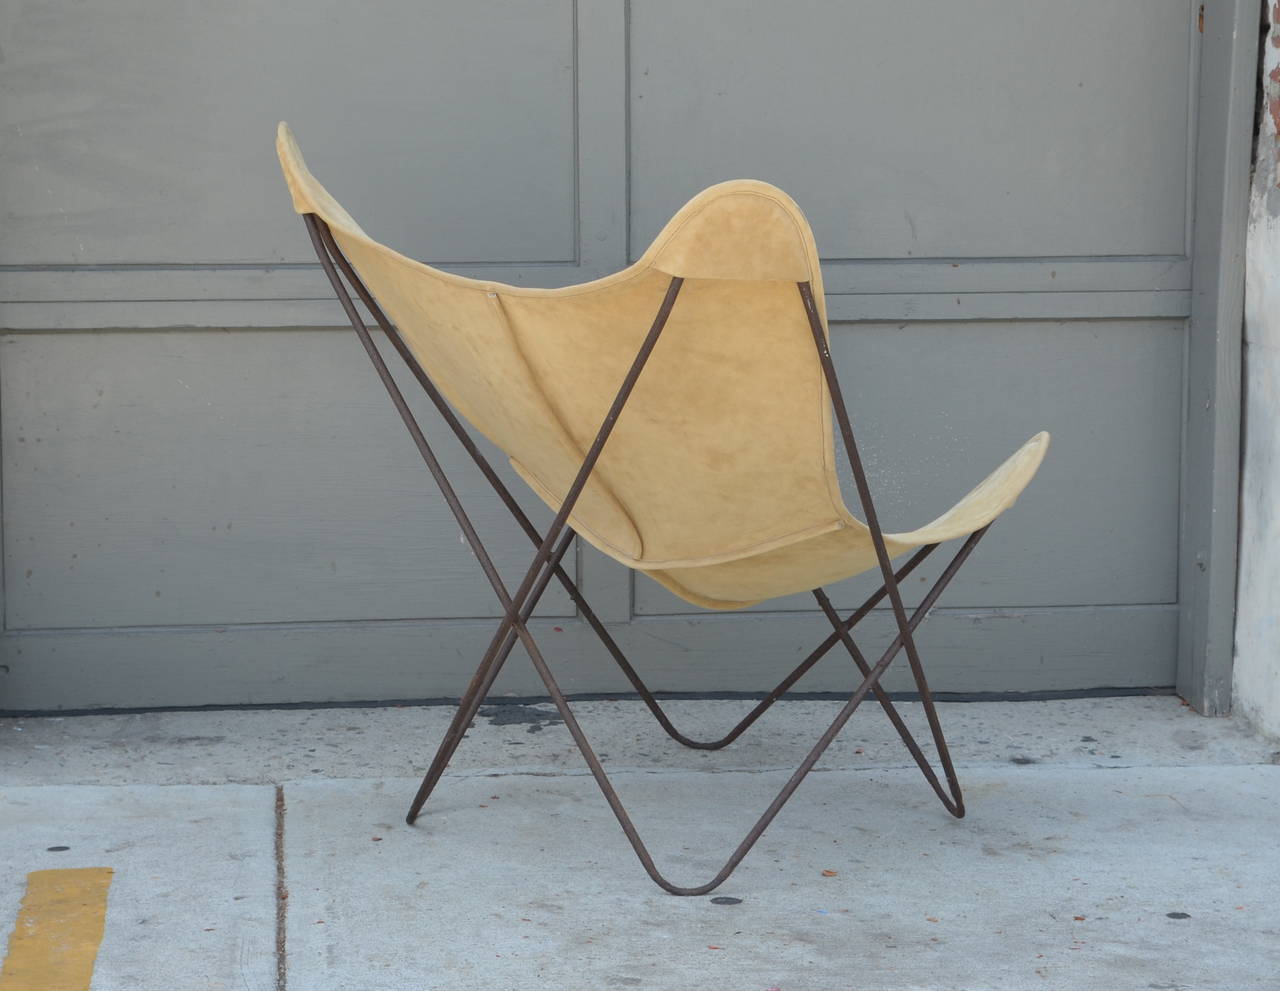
x: 869, y: 682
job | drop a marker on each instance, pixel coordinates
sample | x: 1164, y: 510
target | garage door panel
x: 212, y: 478
x: 141, y: 132
x: 1056, y: 130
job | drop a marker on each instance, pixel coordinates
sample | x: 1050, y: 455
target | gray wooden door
x: 1026, y: 218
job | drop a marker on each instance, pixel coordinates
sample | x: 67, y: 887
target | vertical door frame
x: 1209, y: 498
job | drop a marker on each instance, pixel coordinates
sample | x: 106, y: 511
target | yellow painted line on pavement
x: 54, y: 943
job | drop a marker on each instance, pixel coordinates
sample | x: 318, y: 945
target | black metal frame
x: 552, y: 545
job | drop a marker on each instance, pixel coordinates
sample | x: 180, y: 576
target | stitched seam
x: 749, y: 550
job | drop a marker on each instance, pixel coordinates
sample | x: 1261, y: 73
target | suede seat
x: 747, y: 506
x: 678, y: 416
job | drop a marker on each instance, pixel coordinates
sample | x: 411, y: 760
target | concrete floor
x: 1116, y: 843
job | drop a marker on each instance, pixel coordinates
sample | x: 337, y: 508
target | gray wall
x: 1257, y: 668
x: 207, y: 499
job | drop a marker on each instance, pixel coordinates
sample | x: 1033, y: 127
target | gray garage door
x: 1028, y: 214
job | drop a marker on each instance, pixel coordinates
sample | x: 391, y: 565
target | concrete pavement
x: 1115, y: 843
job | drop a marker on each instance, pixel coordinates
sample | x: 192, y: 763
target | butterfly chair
x: 677, y: 416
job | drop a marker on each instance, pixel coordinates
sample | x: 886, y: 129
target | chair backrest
x: 725, y: 447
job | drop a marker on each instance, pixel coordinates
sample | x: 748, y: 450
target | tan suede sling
x: 719, y: 479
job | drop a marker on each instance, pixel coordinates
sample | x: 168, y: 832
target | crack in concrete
x: 282, y: 894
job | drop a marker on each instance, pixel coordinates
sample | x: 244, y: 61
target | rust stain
x: 1200, y: 19
x: 1273, y: 108
x: 1273, y: 96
